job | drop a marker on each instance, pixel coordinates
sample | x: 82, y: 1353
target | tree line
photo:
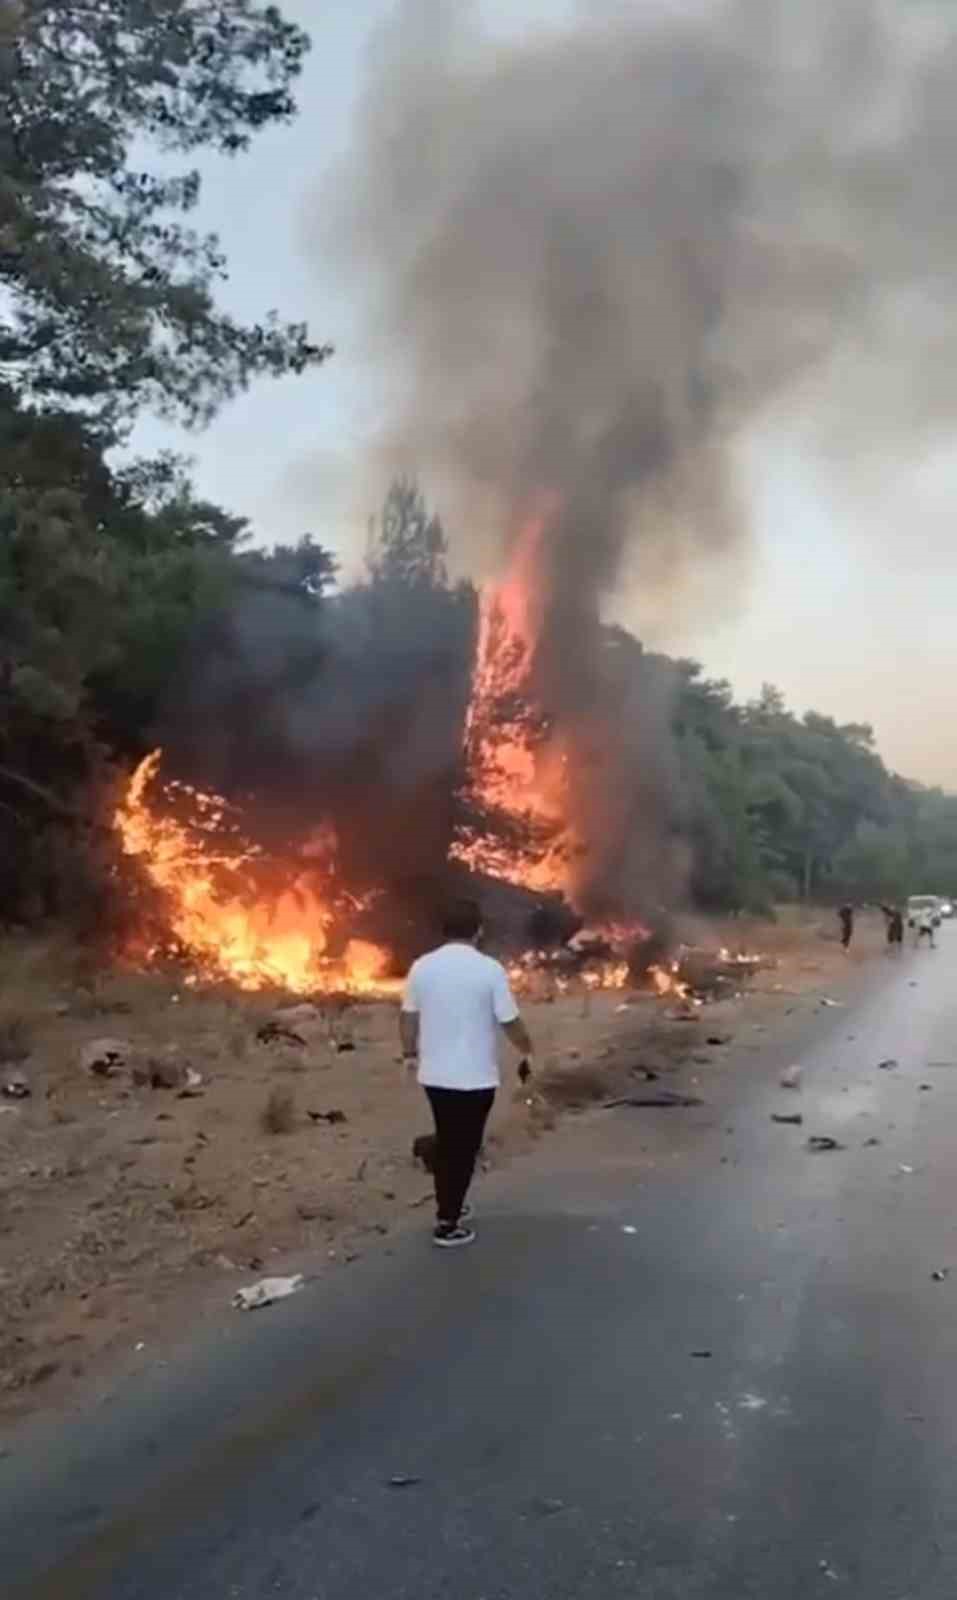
x: 112, y: 571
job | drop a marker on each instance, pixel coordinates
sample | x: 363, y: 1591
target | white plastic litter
x: 266, y: 1291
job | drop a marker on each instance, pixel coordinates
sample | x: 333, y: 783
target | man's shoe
x: 449, y: 1236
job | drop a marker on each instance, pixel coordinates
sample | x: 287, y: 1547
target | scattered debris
x: 890, y: 1065
x: 273, y: 1032
x: 193, y: 1087
x: 924, y: 1087
x: 159, y: 1072
x: 242, y: 1221
x: 625, y: 1006
x: 822, y: 1141
x: 701, y: 1355
x: 794, y: 1119
x: 16, y: 1086
x: 869, y: 1144
x: 940, y: 1274
x: 332, y: 1117
x: 629, y: 1228
x: 403, y: 1481
x: 791, y: 1078
x: 345, y: 1046
x: 718, y: 1039
x: 546, y: 1508
x: 835, y: 1004
x: 266, y: 1292
x: 524, y: 1070
x: 904, y: 1169
x: 104, y: 1057
x: 827, y: 1571
x: 664, y: 1098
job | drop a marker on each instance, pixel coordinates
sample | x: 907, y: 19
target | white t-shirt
x: 461, y: 999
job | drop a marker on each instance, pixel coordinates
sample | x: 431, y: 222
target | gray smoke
x: 588, y: 258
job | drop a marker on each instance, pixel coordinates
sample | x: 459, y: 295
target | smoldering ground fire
x: 582, y: 263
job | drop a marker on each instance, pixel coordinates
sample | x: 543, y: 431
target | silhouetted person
x: 846, y: 916
x: 894, y: 919
x: 456, y: 1002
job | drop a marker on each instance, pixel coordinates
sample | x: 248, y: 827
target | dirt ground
x: 127, y: 1210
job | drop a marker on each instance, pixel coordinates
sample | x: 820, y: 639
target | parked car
x: 918, y: 904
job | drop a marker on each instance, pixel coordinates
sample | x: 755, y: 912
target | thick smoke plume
x: 588, y: 258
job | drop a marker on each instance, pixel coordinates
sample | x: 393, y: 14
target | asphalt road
x: 548, y: 1392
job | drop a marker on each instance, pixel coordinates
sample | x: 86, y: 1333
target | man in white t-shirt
x: 456, y: 1002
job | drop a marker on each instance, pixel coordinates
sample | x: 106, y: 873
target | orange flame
x: 517, y: 767
x: 667, y: 983
x: 224, y: 923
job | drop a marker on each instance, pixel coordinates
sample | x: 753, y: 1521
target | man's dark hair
x: 462, y: 920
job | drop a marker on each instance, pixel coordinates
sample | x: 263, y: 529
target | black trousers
x: 460, y: 1118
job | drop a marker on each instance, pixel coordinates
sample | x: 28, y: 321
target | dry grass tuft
x: 279, y: 1113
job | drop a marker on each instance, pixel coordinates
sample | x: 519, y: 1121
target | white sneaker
x: 452, y: 1238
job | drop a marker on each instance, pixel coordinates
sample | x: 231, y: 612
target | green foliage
x: 107, y: 296
x: 777, y: 805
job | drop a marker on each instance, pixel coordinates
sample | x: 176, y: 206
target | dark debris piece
x: 276, y: 1033
x: 820, y: 1142
x: 663, y: 1098
x: 794, y: 1120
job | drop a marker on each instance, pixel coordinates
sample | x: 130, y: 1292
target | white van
x: 919, y: 904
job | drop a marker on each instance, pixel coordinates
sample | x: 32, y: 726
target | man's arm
x: 518, y: 1036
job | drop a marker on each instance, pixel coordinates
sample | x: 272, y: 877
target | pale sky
x: 848, y: 600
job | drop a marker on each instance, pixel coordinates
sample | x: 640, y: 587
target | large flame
x: 219, y: 913
x: 517, y: 766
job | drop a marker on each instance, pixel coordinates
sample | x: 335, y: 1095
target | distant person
x: 846, y: 919
x: 894, y: 919
x: 456, y: 1002
x: 924, y: 928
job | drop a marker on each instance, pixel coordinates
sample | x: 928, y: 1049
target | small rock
x: 940, y: 1274
x: 16, y: 1085
x: 42, y: 1373
x: 105, y: 1057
